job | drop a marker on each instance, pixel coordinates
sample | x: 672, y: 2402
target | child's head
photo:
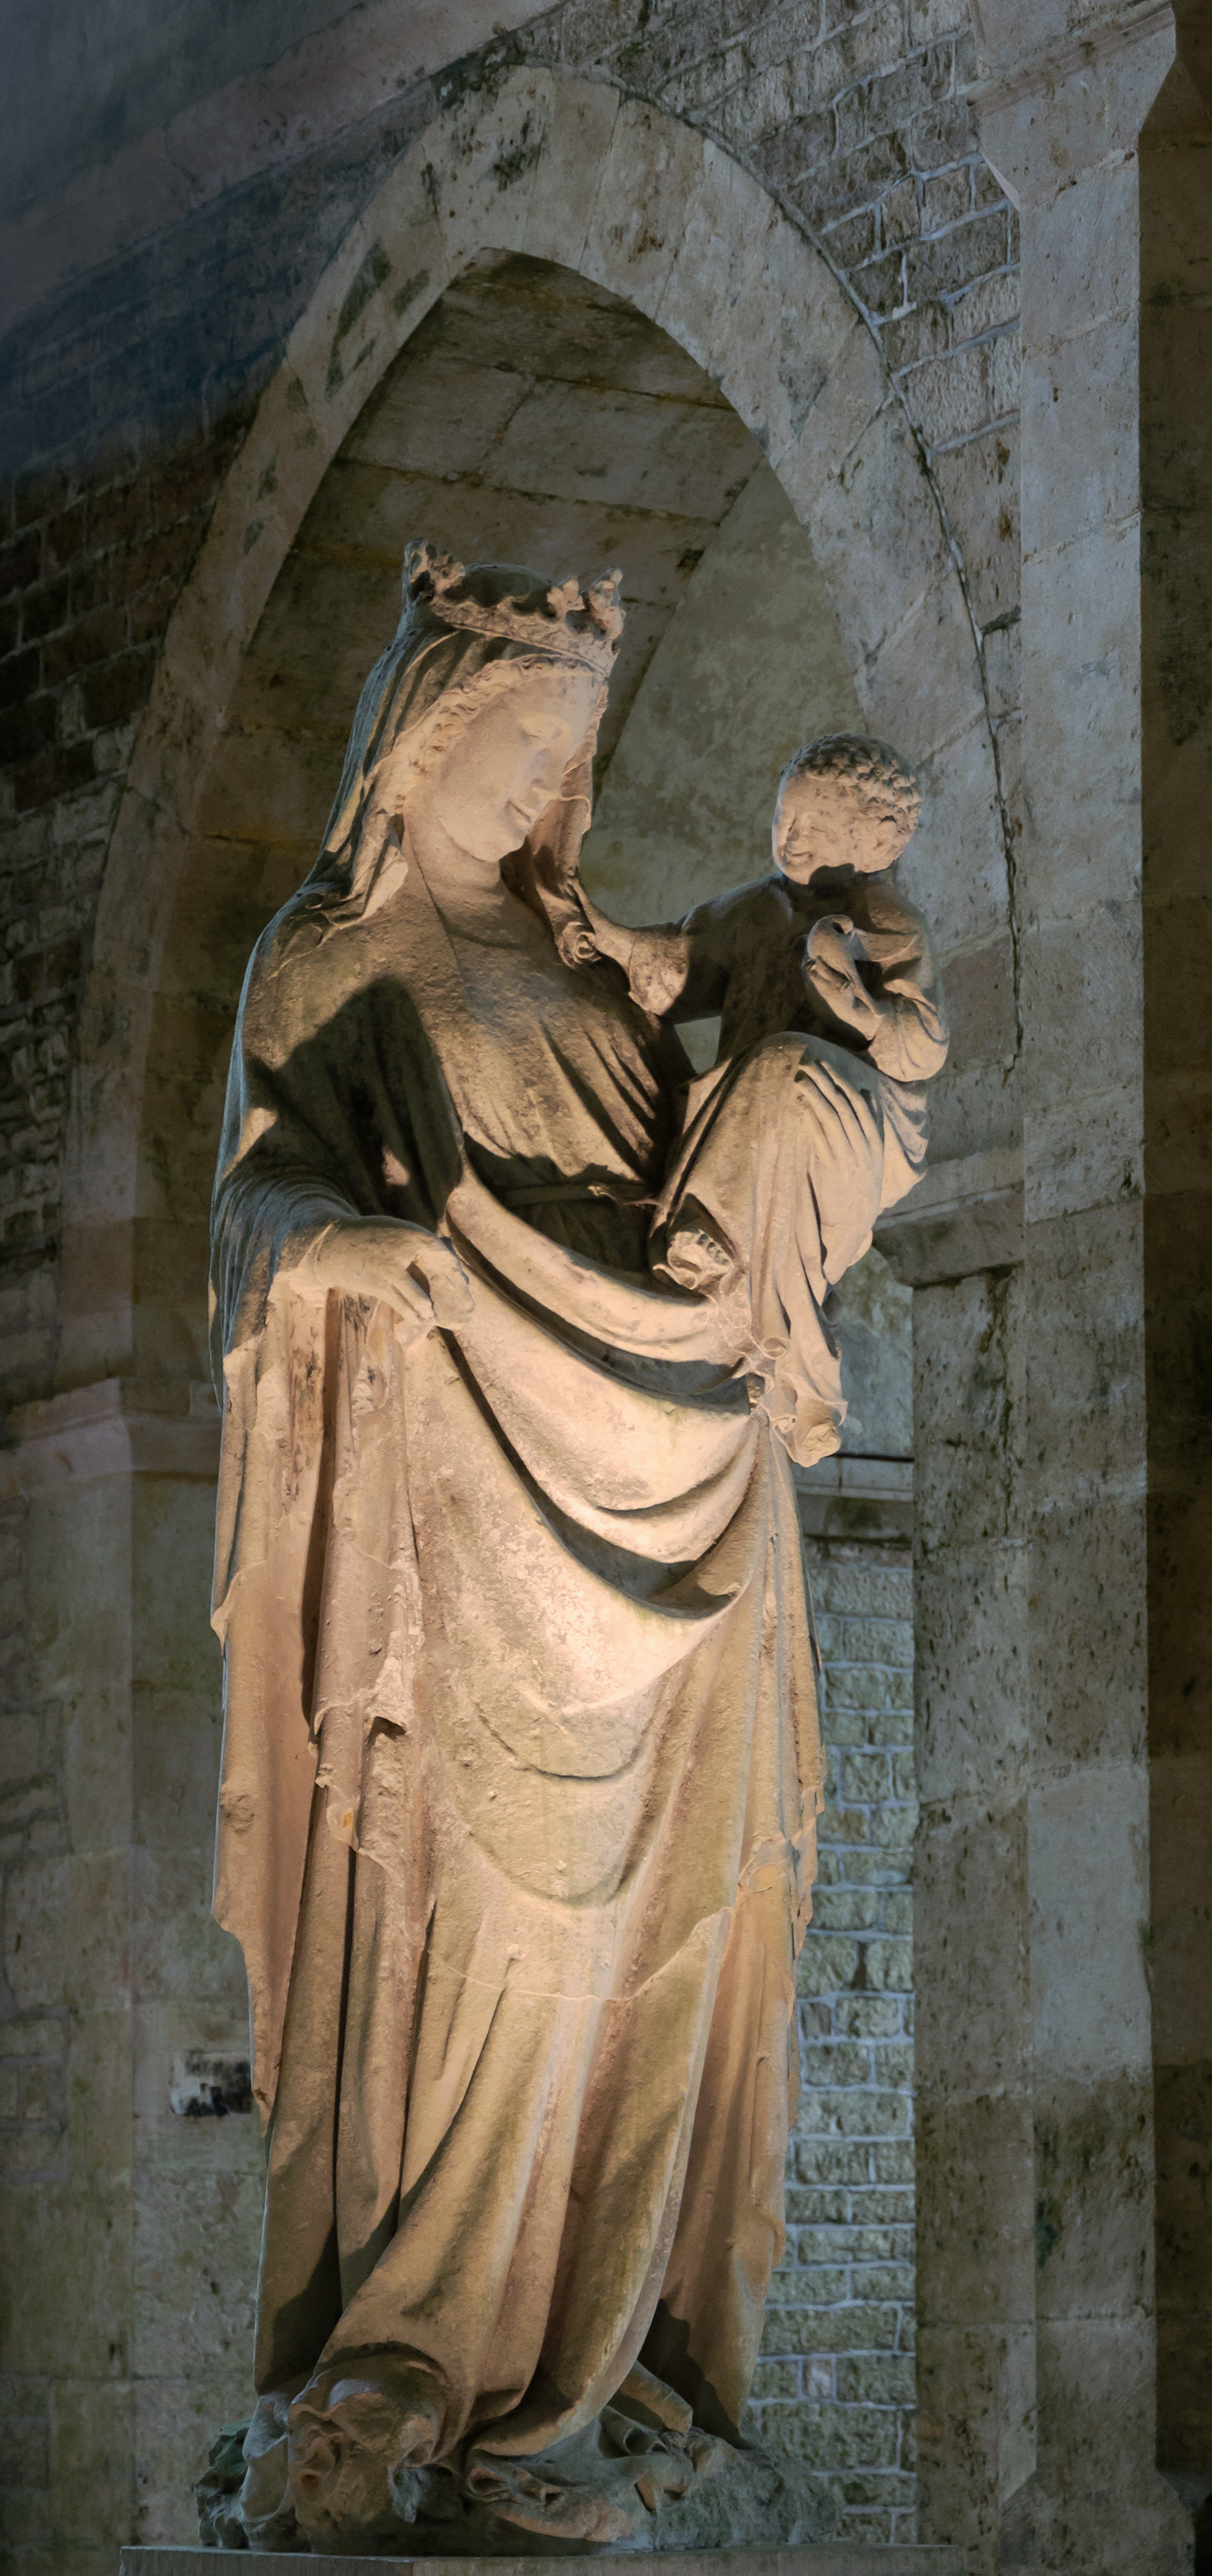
x: 846, y: 806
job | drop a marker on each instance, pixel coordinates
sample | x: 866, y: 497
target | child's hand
x: 832, y: 976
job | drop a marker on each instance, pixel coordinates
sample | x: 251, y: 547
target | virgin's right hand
x: 416, y: 1273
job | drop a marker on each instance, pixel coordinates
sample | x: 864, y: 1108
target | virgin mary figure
x: 521, y: 1763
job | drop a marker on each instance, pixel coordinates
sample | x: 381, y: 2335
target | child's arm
x: 670, y: 966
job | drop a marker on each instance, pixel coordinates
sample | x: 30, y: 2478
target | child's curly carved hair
x: 873, y: 769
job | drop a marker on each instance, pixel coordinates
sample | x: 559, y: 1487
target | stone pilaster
x: 963, y: 1252
x: 1063, y: 1696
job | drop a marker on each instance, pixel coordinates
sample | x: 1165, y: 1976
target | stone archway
x: 565, y: 170
x: 530, y: 415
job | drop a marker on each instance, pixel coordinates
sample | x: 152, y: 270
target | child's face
x: 823, y: 826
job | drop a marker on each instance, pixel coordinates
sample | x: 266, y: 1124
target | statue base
x: 335, y: 2471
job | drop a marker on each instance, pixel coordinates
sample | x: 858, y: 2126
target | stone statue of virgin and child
x: 519, y: 1327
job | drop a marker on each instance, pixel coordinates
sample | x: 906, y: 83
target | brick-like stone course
x: 33, y: 1828
x: 835, y: 2385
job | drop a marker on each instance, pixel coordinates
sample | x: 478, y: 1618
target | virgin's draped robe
x: 521, y: 1758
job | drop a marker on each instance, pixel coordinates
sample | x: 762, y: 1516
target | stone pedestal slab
x: 830, y: 2558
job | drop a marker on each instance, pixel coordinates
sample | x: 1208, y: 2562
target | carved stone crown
x: 573, y: 625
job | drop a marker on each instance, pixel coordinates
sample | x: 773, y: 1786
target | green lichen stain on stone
x: 521, y: 157
x: 251, y: 534
x: 375, y: 269
x: 115, y: 1027
x: 409, y: 291
x: 1047, y: 2231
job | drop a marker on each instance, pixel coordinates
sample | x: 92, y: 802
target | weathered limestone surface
x: 976, y: 2213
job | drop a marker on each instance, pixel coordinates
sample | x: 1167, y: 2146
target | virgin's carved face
x: 495, y: 781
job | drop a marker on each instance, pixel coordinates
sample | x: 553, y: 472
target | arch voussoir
x: 563, y: 192
x: 481, y: 161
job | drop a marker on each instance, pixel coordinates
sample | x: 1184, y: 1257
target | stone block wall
x: 835, y: 2385
x: 857, y: 120
x: 89, y: 574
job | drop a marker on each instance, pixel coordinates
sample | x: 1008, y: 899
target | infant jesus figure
x: 813, y: 1118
